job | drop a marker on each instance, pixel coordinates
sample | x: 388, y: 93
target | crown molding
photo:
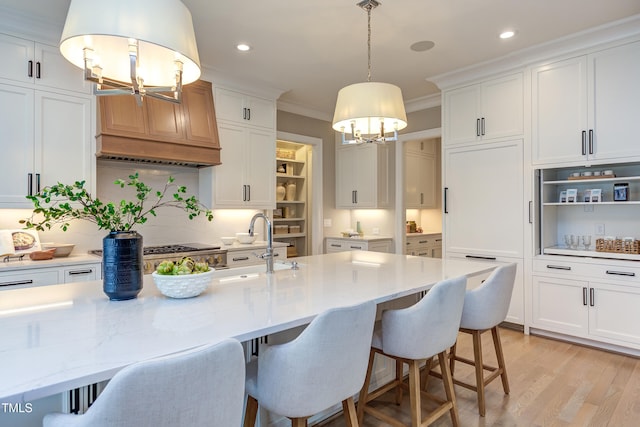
x: 251, y: 87
x: 423, y: 103
x: 290, y: 107
x: 577, y: 43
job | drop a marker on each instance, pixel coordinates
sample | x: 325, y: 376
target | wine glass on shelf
x: 567, y: 240
x: 586, y: 241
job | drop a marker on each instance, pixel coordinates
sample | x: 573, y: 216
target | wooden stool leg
x: 452, y: 358
x: 427, y: 370
x: 250, y: 412
x: 399, y: 376
x: 414, y: 393
x: 362, y: 399
x: 298, y: 422
x: 477, y: 353
x: 350, y: 415
x: 499, y: 355
x: 448, y: 388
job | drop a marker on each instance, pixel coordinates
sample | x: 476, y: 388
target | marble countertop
x: 368, y: 238
x: 59, y: 337
x: 258, y: 244
x: 72, y: 259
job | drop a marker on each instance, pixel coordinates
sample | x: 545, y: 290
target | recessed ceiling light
x: 422, y: 46
x: 507, y: 34
x: 243, y: 47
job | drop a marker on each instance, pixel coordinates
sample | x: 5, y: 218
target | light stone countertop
x: 367, y: 238
x: 26, y: 263
x: 56, y: 338
x: 258, y: 244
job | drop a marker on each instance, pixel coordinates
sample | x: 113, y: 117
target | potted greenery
x: 122, y: 247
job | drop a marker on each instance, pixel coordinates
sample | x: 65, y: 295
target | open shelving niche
x: 296, y: 172
x: 556, y: 219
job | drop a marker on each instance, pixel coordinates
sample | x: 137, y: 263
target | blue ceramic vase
x: 122, y: 265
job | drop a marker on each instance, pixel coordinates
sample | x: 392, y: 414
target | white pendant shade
x: 163, y: 29
x: 367, y: 104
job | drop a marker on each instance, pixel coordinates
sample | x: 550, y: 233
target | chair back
x: 428, y: 327
x: 200, y: 387
x: 324, y: 365
x: 487, y: 305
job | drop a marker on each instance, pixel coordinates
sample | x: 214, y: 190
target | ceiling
x: 309, y: 50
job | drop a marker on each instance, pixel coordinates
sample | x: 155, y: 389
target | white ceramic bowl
x: 61, y: 249
x: 228, y: 240
x: 182, y: 285
x: 245, y: 238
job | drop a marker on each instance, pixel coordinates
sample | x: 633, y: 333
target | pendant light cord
x: 369, y: 44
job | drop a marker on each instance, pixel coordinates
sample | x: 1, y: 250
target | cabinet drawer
x: 81, y: 273
x: 608, y: 272
x: 250, y: 256
x: 336, y: 245
x: 565, y: 268
x: 28, y: 279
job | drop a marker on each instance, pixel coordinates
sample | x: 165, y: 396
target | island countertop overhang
x: 60, y: 337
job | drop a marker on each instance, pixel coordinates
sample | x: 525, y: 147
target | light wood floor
x: 553, y: 383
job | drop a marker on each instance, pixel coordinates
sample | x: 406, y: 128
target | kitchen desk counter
x: 60, y: 337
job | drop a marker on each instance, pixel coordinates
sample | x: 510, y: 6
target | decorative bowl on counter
x: 245, y: 238
x: 182, y: 285
x: 61, y: 249
x: 228, y: 240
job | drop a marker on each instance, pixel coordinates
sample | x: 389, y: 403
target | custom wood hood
x: 160, y: 131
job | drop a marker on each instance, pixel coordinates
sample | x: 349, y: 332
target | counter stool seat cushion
x: 199, y: 387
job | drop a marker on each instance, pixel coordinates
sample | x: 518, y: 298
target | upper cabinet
x: 183, y: 133
x: 45, y: 120
x: 421, y: 172
x: 25, y: 61
x: 485, y: 111
x: 246, y: 177
x: 362, y: 176
x: 585, y: 108
x: 245, y: 109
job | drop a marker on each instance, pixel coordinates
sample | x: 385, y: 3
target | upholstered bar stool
x: 323, y: 366
x: 484, y: 309
x: 200, y: 387
x: 412, y: 335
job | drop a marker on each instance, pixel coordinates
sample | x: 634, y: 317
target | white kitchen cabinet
x: 421, y: 173
x: 484, y: 111
x: 245, y: 257
x: 25, y: 61
x: 42, y: 276
x: 336, y: 244
x: 81, y: 273
x: 585, y: 108
x: 484, y: 202
x: 362, y: 176
x: 46, y: 139
x: 426, y: 245
x: 246, y: 177
x: 245, y: 109
x: 595, y: 301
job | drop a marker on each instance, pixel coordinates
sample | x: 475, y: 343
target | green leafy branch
x: 58, y: 204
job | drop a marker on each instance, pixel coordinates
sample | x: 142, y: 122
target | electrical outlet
x: 376, y: 231
x: 599, y: 229
x: 327, y: 222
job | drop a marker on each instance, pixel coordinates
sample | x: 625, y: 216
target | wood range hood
x: 159, y: 131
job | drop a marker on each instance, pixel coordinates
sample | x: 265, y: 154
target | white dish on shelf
x: 245, y: 238
x: 228, y: 240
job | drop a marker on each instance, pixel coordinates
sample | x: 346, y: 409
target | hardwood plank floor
x: 553, y: 383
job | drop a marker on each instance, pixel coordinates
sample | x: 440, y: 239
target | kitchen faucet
x: 268, y: 256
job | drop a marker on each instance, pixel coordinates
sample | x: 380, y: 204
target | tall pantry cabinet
x: 45, y: 117
x: 484, y: 190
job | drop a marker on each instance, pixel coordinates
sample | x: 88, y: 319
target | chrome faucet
x: 268, y: 256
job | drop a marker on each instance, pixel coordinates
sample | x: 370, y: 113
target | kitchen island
x: 59, y: 337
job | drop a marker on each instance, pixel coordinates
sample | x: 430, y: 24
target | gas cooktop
x: 171, y: 249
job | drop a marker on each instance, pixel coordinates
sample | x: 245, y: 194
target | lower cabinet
x: 43, y: 276
x: 341, y: 245
x: 429, y: 245
x: 573, y: 299
x: 245, y: 257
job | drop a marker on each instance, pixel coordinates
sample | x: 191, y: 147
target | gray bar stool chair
x: 199, y: 387
x: 413, y: 335
x: 323, y: 366
x: 484, y: 309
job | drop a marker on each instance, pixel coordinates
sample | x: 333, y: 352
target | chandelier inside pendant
x: 135, y: 47
x: 367, y: 112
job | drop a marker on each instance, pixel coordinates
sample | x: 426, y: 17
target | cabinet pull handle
x: 477, y: 127
x: 584, y: 296
x: 438, y: 240
x: 248, y: 192
x: 78, y: 272
x: 244, y: 113
x: 30, y: 69
x: 276, y: 254
x: 590, y: 141
x: 584, y: 142
x: 423, y: 241
x: 592, y: 300
x: 248, y: 113
x: 30, y: 184
x: 621, y: 273
x: 38, y: 70
x: 20, y: 282
x: 482, y: 121
x: 335, y: 245
x: 355, y: 247
x: 488, y: 258
x: 37, y: 183
x: 244, y: 193
x: 240, y: 258
x: 446, y: 208
x: 422, y: 198
x: 530, y: 211
x: 558, y: 267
